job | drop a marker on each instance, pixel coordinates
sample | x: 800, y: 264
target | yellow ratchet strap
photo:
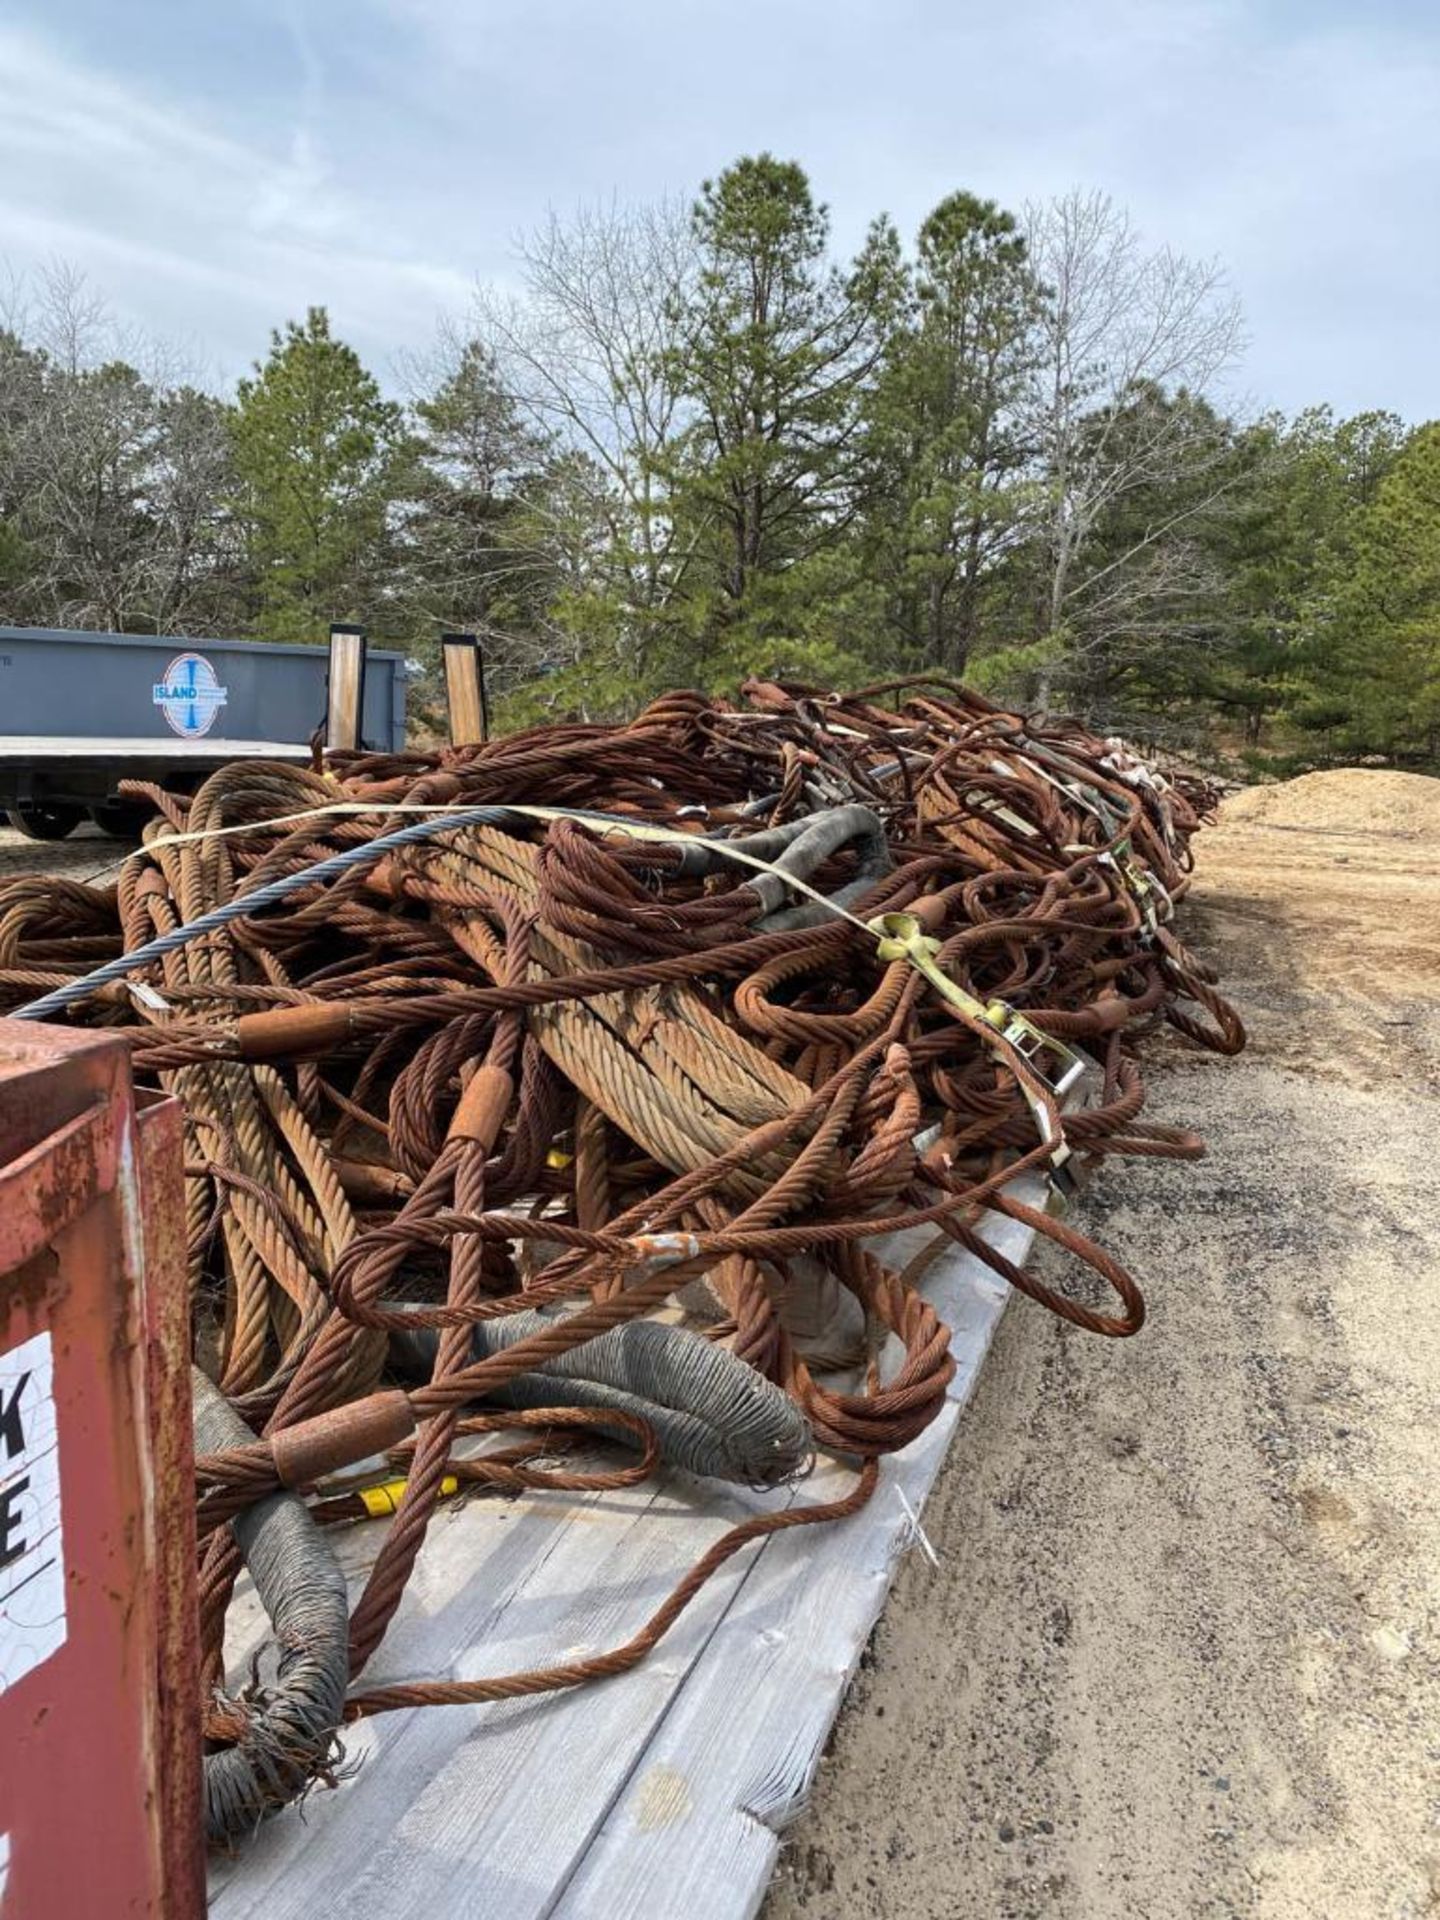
x: 1145, y: 890
x: 900, y: 936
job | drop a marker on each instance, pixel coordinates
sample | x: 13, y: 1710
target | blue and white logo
x: 190, y: 696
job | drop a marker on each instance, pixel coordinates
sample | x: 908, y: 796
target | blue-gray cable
x: 798, y: 847
x: 245, y: 904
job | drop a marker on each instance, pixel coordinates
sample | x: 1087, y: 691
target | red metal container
x: 99, y: 1745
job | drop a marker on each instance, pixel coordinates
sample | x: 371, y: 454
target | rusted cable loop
x: 553, y: 1106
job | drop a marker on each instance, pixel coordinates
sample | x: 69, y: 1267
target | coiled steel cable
x: 471, y: 1095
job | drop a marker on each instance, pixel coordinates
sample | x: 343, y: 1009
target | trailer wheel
x: 121, y: 819
x: 45, y: 823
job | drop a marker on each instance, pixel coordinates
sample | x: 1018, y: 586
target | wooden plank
x: 734, y: 1761
x: 500, y: 1586
x: 678, y: 1775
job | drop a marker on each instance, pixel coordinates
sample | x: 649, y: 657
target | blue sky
x: 214, y: 169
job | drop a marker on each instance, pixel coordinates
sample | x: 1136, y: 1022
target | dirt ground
x: 1180, y: 1659
x: 85, y: 853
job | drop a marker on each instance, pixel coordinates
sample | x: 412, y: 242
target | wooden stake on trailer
x: 465, y: 696
x: 345, y: 692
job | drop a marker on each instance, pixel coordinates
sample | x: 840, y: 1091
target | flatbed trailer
x: 80, y: 712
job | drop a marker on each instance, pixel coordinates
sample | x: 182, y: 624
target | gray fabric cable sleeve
x: 711, y: 1413
x: 291, y: 1730
x: 800, y: 847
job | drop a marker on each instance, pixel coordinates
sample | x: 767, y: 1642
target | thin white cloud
x: 409, y: 140
x: 188, y: 228
x: 1299, y: 144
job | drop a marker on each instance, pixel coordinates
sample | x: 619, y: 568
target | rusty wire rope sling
x: 624, y: 1129
x: 245, y: 906
x: 799, y: 850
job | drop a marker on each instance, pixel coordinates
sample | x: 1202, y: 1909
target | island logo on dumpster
x: 190, y: 696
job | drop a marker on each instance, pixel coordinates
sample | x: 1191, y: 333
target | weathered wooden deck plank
x: 698, y: 1827
x: 663, y: 1791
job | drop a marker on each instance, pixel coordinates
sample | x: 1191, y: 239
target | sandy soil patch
x: 1180, y: 1657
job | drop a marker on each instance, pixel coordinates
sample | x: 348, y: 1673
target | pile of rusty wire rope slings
x: 562, y: 1087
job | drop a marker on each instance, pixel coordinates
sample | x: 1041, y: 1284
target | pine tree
x: 948, y: 486
x: 1375, y: 643
x: 322, y: 459
x: 474, y: 554
x: 776, y: 346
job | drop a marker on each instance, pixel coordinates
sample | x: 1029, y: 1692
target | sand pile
x: 1349, y: 800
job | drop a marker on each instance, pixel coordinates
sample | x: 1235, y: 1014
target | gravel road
x: 80, y: 856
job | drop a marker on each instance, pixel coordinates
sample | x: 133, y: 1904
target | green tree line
x: 696, y: 444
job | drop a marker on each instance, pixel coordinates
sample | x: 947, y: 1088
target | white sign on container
x: 32, y: 1556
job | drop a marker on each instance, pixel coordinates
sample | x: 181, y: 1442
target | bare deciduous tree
x: 197, y: 545
x: 113, y: 473
x: 589, y: 352
x: 1122, y: 330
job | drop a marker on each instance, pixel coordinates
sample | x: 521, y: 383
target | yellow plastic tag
x: 385, y: 1499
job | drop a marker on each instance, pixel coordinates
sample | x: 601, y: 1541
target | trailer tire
x: 121, y: 819
x: 45, y: 822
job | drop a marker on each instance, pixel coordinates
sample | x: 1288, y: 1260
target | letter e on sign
x: 32, y: 1557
